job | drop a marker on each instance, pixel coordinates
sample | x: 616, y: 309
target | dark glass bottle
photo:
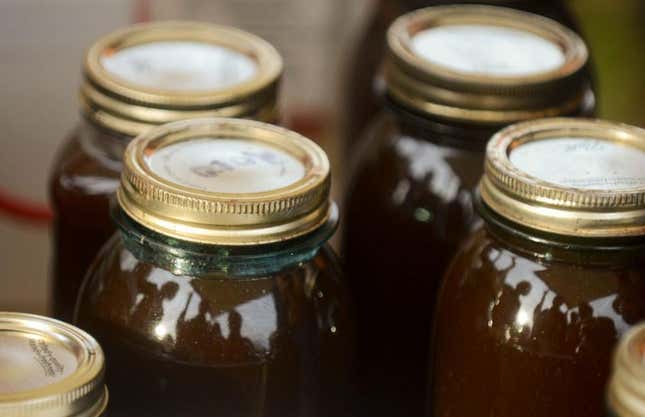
x: 626, y: 388
x: 130, y: 84
x: 410, y: 199
x: 534, y: 302
x: 364, y: 85
x: 49, y: 368
x: 219, y: 294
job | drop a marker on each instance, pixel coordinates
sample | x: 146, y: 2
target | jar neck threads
x: 187, y: 258
x: 551, y: 247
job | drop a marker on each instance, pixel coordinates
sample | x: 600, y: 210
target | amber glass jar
x: 219, y: 294
x: 134, y: 79
x: 364, y: 83
x: 626, y: 391
x: 454, y: 76
x: 532, y: 305
x: 49, y: 368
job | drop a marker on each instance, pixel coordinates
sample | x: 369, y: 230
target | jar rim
x: 226, y: 218
x: 479, y: 97
x: 561, y: 208
x: 130, y: 108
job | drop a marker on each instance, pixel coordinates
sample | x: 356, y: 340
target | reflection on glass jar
x: 532, y: 305
x: 136, y: 78
x: 454, y: 76
x: 211, y: 301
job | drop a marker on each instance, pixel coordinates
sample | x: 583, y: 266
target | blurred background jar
x: 454, y: 76
x: 533, y: 304
x: 219, y: 294
x: 626, y: 391
x: 49, y: 368
x: 365, y: 89
x: 134, y: 79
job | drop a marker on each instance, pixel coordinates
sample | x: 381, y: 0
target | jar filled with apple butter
x: 364, y: 87
x: 538, y: 295
x: 219, y: 294
x: 133, y: 79
x: 49, y: 368
x: 454, y: 76
x: 626, y: 391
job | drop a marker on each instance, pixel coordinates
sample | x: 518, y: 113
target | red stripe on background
x: 24, y: 210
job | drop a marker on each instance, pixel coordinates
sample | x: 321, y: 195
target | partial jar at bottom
x: 49, y: 368
x: 210, y: 342
x: 625, y: 393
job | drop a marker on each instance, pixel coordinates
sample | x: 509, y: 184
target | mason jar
x: 219, y: 295
x: 538, y: 295
x: 454, y: 76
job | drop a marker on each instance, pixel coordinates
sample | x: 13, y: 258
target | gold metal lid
x: 485, y: 64
x: 574, y: 177
x: 49, y: 369
x: 155, y: 73
x: 626, y: 390
x: 226, y: 182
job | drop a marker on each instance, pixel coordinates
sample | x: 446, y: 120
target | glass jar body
x: 408, y: 206
x: 271, y: 344
x: 84, y: 177
x: 520, y: 328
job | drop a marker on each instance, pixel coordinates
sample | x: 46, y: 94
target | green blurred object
x: 615, y: 31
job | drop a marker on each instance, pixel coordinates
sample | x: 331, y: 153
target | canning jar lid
x: 49, y: 369
x: 485, y: 64
x: 573, y: 177
x: 226, y: 182
x: 626, y: 389
x: 155, y: 73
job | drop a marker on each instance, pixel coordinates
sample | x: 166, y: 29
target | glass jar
x: 533, y: 303
x: 219, y: 294
x: 49, y: 368
x: 364, y: 88
x: 410, y: 199
x: 625, y: 393
x: 136, y: 78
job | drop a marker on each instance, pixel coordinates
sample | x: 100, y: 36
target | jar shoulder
x: 247, y: 319
x: 412, y: 176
